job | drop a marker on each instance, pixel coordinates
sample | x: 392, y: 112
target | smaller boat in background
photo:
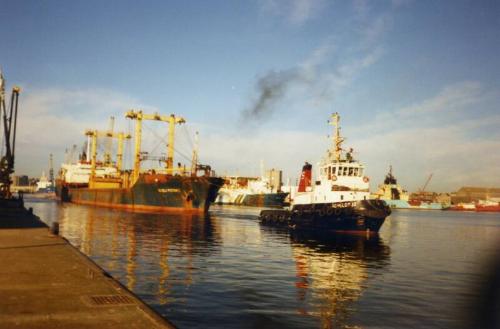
x: 264, y: 191
x: 44, y: 185
x: 398, y: 198
x: 490, y: 205
x: 463, y: 206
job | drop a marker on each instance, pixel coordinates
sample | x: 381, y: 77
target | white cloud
x: 435, y: 135
x: 234, y: 153
x: 51, y: 120
x: 453, y: 97
x: 296, y: 12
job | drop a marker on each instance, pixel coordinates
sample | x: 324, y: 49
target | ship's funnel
x: 305, y: 178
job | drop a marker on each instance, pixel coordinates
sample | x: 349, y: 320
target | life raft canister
x: 366, y: 179
x: 334, y: 178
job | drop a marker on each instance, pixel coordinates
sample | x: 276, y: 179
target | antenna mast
x: 337, y: 140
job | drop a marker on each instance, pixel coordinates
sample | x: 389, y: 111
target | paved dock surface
x: 47, y: 283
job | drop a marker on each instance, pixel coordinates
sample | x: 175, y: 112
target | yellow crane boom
x: 94, y: 134
x: 171, y: 119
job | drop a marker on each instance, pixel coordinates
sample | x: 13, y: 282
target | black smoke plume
x: 271, y: 88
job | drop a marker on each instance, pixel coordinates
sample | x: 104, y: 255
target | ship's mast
x: 109, y: 142
x: 172, y: 121
x: 194, y: 160
x: 92, y: 134
x: 337, y: 140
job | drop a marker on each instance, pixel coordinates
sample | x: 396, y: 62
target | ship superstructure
x: 338, y: 199
x: 165, y: 189
x: 392, y: 193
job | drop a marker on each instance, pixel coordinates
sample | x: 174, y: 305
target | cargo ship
x: 169, y: 189
x: 337, y: 200
x: 264, y: 191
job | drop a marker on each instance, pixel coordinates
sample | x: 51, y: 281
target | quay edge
x: 47, y: 283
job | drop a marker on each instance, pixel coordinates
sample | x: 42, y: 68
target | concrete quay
x: 47, y: 283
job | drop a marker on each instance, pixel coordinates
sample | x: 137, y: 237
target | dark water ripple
x: 227, y: 271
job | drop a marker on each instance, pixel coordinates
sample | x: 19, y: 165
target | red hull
x: 488, y: 208
x: 458, y: 208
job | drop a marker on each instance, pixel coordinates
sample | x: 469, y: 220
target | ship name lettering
x: 168, y: 190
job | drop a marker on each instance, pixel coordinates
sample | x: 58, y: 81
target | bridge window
x: 351, y: 170
x: 333, y: 170
x: 340, y: 171
x: 356, y: 171
x: 344, y: 172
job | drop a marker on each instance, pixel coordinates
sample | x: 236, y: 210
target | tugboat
x: 339, y: 200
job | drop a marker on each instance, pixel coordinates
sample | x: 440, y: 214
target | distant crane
x: 426, y: 183
x: 51, y: 170
x: 9, y: 119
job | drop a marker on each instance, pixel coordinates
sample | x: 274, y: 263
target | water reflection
x: 227, y: 270
x: 129, y: 243
x: 331, y: 272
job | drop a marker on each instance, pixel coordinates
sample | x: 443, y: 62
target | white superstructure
x: 79, y: 173
x: 44, y: 183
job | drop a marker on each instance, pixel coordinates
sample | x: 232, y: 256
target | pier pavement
x: 47, y: 283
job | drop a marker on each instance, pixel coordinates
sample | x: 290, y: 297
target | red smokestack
x: 305, y: 178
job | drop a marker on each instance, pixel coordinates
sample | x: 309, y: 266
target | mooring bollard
x: 30, y: 210
x: 54, y: 228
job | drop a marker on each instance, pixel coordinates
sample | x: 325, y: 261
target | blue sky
x: 416, y: 82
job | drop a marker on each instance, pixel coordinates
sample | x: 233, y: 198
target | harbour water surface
x: 226, y: 270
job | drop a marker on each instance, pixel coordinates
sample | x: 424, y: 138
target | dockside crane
x: 9, y: 126
x: 426, y: 183
x: 51, y: 170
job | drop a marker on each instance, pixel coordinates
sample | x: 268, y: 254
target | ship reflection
x: 331, y: 272
x: 142, y: 249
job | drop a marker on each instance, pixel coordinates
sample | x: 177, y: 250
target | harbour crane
x: 426, y: 183
x: 51, y: 170
x: 9, y: 126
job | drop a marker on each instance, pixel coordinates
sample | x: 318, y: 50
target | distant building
x: 21, y: 180
x: 472, y: 194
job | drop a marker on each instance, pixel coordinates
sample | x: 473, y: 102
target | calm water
x: 229, y: 271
